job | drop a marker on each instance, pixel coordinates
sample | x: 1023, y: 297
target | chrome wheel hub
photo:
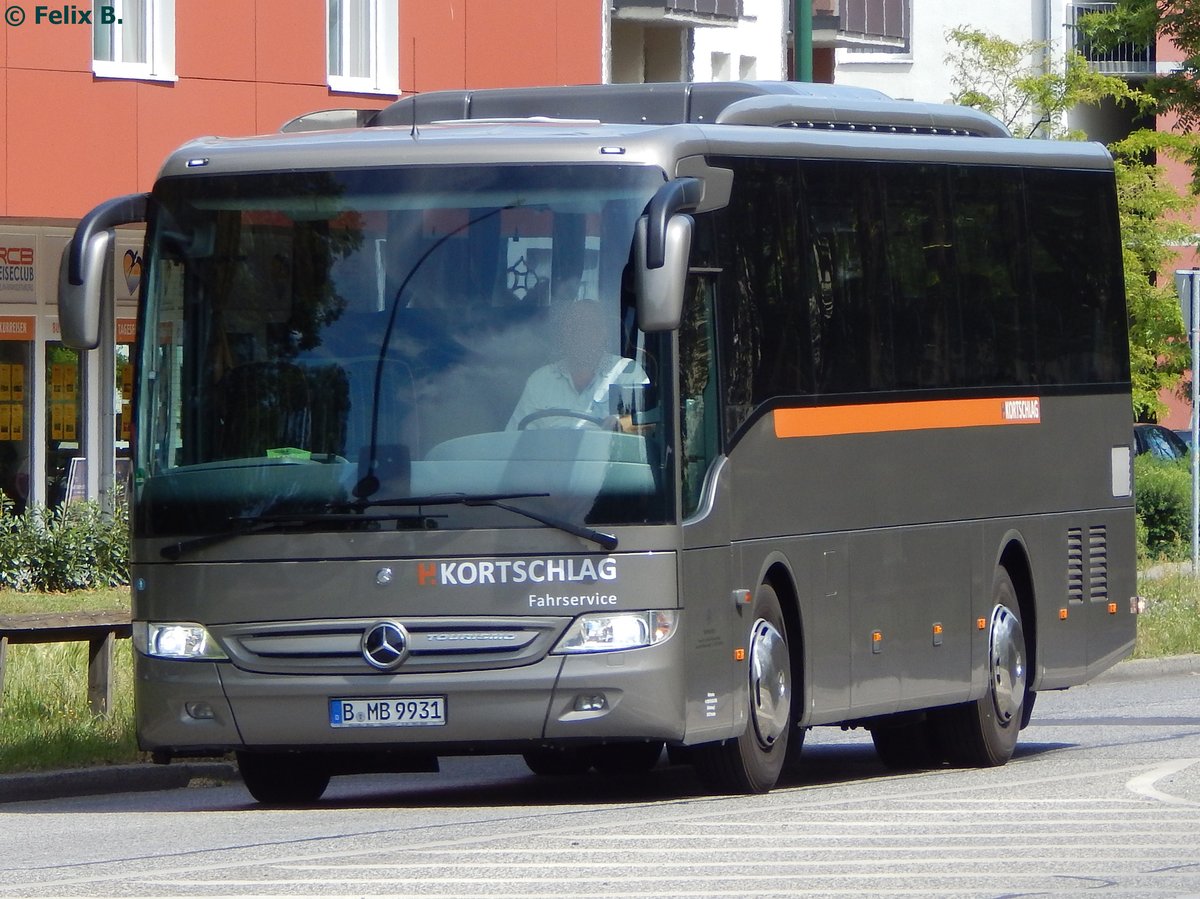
x: 1006, y: 663
x: 770, y: 683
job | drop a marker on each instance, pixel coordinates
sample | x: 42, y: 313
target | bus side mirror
x: 85, y: 273
x: 660, y: 290
x: 79, y: 305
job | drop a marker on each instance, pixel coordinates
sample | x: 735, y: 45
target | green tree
x: 1140, y: 22
x: 1008, y: 80
x: 1003, y: 79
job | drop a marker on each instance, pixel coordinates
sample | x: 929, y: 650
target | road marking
x: 1143, y: 784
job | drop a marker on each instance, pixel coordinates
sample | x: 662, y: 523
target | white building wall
x: 754, y: 50
x: 922, y: 74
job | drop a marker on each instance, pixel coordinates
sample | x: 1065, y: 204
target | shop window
x: 134, y: 39
x: 64, y: 377
x: 16, y: 359
x: 362, y: 49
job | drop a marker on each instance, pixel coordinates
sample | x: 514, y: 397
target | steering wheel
x: 593, y: 420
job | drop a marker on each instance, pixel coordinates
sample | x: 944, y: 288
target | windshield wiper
x: 606, y: 542
x: 351, y: 513
x: 265, y: 524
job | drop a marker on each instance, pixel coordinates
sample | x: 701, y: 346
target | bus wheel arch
x: 781, y: 579
x: 753, y: 761
x: 1015, y: 560
x: 983, y: 732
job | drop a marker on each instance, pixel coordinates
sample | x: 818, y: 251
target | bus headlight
x: 610, y: 631
x: 175, y: 640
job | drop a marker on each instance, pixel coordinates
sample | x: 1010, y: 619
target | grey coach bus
x: 580, y: 422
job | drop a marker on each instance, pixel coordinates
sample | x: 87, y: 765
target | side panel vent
x: 1098, y: 562
x: 1075, y: 565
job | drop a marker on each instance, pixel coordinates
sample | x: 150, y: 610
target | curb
x: 1134, y: 669
x: 145, y: 777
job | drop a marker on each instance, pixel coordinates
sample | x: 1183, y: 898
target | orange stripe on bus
x: 876, y: 418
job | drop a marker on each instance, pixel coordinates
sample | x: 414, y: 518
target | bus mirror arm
x: 660, y: 290
x: 662, y: 244
x: 674, y: 196
x: 83, y: 272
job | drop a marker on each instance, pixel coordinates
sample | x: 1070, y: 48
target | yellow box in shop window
x: 69, y: 423
x: 17, y: 424
x: 18, y: 383
x: 56, y: 381
x: 70, y: 382
x: 126, y: 417
x: 5, y: 420
x: 56, y: 421
x: 5, y: 382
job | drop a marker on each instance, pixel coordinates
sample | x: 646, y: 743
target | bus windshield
x: 424, y: 347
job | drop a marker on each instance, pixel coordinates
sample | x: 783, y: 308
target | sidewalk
x: 42, y: 785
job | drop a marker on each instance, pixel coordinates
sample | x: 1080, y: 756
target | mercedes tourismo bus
x: 579, y: 422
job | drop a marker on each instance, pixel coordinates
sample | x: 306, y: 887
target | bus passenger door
x: 705, y: 561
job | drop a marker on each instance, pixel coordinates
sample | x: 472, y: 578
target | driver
x: 578, y: 383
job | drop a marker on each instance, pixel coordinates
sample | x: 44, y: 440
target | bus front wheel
x: 752, y: 762
x: 282, y: 778
x: 983, y: 733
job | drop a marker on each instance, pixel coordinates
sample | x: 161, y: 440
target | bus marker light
x: 1062, y: 614
x: 937, y: 634
x: 877, y: 641
x: 742, y: 597
x: 1112, y: 608
x: 739, y: 654
x: 981, y: 624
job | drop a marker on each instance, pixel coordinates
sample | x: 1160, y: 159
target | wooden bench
x: 99, y: 629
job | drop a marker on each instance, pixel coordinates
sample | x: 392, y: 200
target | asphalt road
x: 1102, y: 798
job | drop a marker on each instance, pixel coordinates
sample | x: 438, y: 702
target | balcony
x: 687, y: 12
x: 866, y: 25
x: 1126, y: 60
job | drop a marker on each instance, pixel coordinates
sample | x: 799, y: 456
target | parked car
x: 1159, y: 441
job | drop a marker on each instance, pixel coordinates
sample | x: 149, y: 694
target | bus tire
x: 752, y: 762
x: 283, y: 778
x: 983, y: 733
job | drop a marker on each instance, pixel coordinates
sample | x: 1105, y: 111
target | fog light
x: 594, y: 703
x: 201, y: 711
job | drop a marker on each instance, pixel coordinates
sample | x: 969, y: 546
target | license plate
x: 388, y: 711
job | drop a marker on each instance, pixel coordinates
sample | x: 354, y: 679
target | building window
x: 363, y: 38
x: 134, y: 39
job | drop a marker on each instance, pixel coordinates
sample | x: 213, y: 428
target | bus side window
x: 697, y: 389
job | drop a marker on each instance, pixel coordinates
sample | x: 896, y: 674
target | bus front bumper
x: 201, y: 707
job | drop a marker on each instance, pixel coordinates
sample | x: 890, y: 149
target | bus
x: 581, y: 422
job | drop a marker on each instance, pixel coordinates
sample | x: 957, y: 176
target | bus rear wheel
x: 752, y: 762
x: 983, y: 733
x: 283, y: 778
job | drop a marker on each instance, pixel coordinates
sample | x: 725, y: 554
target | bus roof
x: 664, y: 146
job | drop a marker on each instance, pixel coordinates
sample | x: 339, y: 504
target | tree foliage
x: 1010, y: 81
x: 1002, y: 78
x: 1141, y: 22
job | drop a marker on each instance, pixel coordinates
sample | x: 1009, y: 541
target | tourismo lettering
x: 516, y: 571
